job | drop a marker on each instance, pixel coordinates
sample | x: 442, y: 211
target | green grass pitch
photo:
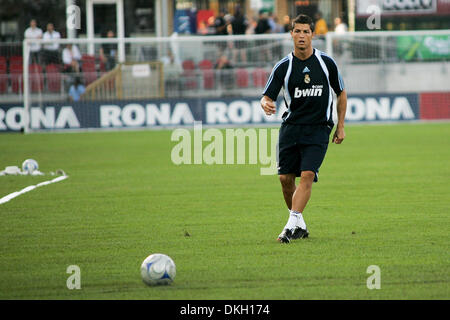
x: 383, y: 199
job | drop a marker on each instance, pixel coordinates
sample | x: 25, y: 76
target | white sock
x: 299, y: 219
x: 292, y: 222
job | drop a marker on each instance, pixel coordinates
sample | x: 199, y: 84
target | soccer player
x: 307, y: 76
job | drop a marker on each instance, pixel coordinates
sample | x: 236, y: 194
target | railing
x: 105, y: 88
x: 119, y: 83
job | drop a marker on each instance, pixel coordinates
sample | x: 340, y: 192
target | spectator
x: 271, y: 22
x: 228, y: 18
x: 278, y: 27
x: 339, y: 44
x: 170, y: 61
x: 210, y: 25
x: 172, y: 73
x: 339, y: 26
x: 239, y: 26
x: 220, y: 23
x: 229, y: 29
x: 33, y: 32
x: 71, y: 58
x: 252, y: 22
x: 321, y: 27
x: 263, y: 25
x: 223, y: 63
x: 275, y: 27
x: 239, y: 23
x: 76, y: 90
x: 108, y: 52
x: 51, y: 50
x: 287, y: 23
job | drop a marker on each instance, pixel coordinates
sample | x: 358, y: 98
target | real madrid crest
x: 307, y: 78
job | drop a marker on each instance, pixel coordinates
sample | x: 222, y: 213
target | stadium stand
x: 89, y: 72
x: 36, y: 78
x: 54, y: 78
x: 14, y: 60
x: 16, y: 74
x: 260, y: 77
x: 189, y: 74
x: 207, y: 74
x: 87, y: 58
x: 3, y: 76
x: 242, y: 78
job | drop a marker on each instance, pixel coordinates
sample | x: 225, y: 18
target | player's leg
x: 288, y: 169
x: 302, y: 193
x: 300, y: 199
x: 289, y: 161
x: 312, y: 158
x: 288, y: 187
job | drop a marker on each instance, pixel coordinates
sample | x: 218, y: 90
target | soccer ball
x: 158, y: 269
x: 29, y: 166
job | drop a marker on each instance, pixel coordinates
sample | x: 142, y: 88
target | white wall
x: 411, y: 77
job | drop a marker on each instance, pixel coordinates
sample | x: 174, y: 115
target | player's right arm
x: 273, y: 87
x: 268, y: 105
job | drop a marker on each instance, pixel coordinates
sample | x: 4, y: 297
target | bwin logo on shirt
x: 312, y: 92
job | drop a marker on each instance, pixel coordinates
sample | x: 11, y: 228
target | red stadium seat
x: 260, y: 77
x: 3, y: 79
x: 207, y: 74
x: 88, y: 65
x: 16, y: 71
x: 89, y: 73
x: 53, y: 77
x: 2, y: 62
x: 102, y: 67
x: 189, y: 75
x: 208, y: 79
x: 188, y: 65
x: 14, y: 60
x: 205, y: 64
x: 36, y: 78
x: 242, y: 78
x: 88, y: 58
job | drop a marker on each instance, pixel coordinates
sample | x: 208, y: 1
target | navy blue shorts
x: 302, y: 148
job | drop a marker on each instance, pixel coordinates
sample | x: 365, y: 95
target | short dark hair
x: 303, y: 19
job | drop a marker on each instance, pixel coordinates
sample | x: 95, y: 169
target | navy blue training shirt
x: 307, y: 87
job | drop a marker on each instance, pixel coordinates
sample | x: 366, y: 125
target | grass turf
x: 383, y: 199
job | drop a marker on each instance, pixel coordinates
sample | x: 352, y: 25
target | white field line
x: 29, y: 188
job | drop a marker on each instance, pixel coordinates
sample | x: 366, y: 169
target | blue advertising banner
x: 185, y: 21
x: 182, y: 112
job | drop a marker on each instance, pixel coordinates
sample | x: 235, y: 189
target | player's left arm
x: 337, y: 83
x: 339, y: 133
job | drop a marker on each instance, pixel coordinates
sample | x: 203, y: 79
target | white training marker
x: 29, y: 188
